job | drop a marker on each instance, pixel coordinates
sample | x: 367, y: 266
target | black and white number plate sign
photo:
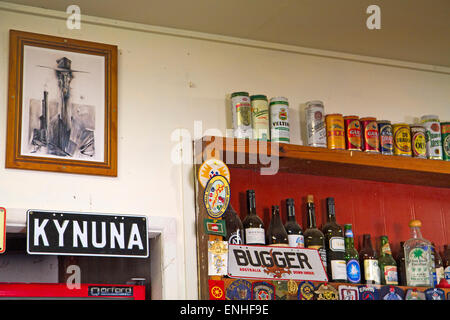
x: 86, y: 234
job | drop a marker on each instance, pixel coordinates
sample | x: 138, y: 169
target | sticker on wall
x: 263, y: 291
x: 306, y: 291
x: 239, y: 290
x: 210, y: 168
x: 215, y: 227
x: 2, y: 230
x: 414, y: 294
x: 391, y: 293
x: 217, y: 258
x: 435, y: 294
x: 327, y: 292
x: 217, y: 196
x: 348, y: 293
x: 216, y: 290
x: 367, y: 292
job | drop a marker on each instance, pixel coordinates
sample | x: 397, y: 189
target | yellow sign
x: 2, y: 230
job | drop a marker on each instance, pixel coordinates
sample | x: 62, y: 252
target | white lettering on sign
x: 39, y: 232
x: 117, y: 236
x: 96, y: 244
x: 79, y: 234
x: 135, y: 238
x: 61, y: 230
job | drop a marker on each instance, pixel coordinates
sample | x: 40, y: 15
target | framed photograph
x: 62, y: 105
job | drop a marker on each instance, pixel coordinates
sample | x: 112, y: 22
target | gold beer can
x: 402, y: 139
x: 335, y: 131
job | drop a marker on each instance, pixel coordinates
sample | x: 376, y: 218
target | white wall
x: 167, y: 82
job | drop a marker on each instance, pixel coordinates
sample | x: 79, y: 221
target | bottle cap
x: 310, y: 198
x: 415, y: 224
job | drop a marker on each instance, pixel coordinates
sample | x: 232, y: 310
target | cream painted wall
x: 166, y: 83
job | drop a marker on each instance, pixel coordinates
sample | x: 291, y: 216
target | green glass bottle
x: 387, y: 264
x: 351, y: 256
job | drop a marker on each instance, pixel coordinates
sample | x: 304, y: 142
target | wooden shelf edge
x: 252, y: 154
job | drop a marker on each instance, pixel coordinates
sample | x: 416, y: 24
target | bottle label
x: 372, y: 271
x: 439, y: 274
x: 447, y: 273
x: 322, y: 254
x: 337, y: 244
x: 338, y: 270
x: 353, y: 271
x: 390, y: 275
x: 296, y: 241
x: 349, y: 233
x: 255, y: 236
x: 235, y: 238
x: 386, y: 249
x: 418, y: 269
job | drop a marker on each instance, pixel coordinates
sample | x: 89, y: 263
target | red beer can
x: 370, y: 135
x: 352, y: 133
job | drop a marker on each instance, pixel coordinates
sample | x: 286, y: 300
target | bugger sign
x: 275, y: 263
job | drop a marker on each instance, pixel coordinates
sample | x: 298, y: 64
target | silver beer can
x: 241, y: 109
x: 316, y: 132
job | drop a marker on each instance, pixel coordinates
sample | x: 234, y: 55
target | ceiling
x: 411, y: 30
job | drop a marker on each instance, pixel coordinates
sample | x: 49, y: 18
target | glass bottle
x: 314, y: 238
x: 401, y: 268
x: 351, y: 256
x: 334, y: 245
x: 293, y: 229
x: 369, y: 262
x: 387, y: 264
x: 276, y: 234
x: 253, y: 225
x: 446, y: 262
x: 233, y: 224
x: 418, y: 258
x: 438, y: 265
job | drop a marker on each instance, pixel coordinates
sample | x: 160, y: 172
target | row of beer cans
x: 428, y: 140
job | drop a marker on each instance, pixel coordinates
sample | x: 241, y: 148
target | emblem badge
x: 217, y: 258
x: 215, y: 227
x: 211, y: 168
x: 281, y: 290
x: 368, y: 293
x: 414, y: 294
x: 348, y: 293
x: 327, y: 292
x: 263, y: 291
x: 435, y: 294
x: 305, y: 291
x: 392, y: 293
x: 292, y: 287
x: 239, y: 290
x: 216, y: 290
x: 217, y: 196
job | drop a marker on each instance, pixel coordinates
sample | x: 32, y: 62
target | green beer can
x: 445, y: 132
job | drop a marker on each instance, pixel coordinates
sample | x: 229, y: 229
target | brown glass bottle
x: 233, y: 224
x: 438, y: 266
x: 401, y: 269
x: 276, y: 234
x: 253, y: 225
x: 369, y: 262
x: 314, y: 238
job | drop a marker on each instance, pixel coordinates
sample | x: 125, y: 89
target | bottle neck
x: 349, y: 242
x: 290, y: 212
x: 311, y: 215
x: 367, y: 243
x: 385, y: 248
x: 331, y: 217
x: 415, y: 233
x: 276, y: 219
x: 251, y: 204
x: 330, y: 210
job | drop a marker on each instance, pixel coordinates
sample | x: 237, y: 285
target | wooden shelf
x: 251, y: 154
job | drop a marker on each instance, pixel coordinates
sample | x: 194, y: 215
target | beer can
x: 279, y: 120
x: 352, y: 133
x: 386, y: 138
x: 241, y: 109
x: 260, y: 117
x: 445, y: 132
x: 369, y: 135
x: 315, y: 124
x: 335, y: 131
x: 418, y: 141
x: 402, y: 139
x: 433, y: 136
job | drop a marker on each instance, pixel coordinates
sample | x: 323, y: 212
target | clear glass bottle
x: 418, y: 258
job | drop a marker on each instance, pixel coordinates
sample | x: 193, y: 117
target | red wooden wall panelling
x: 372, y: 207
